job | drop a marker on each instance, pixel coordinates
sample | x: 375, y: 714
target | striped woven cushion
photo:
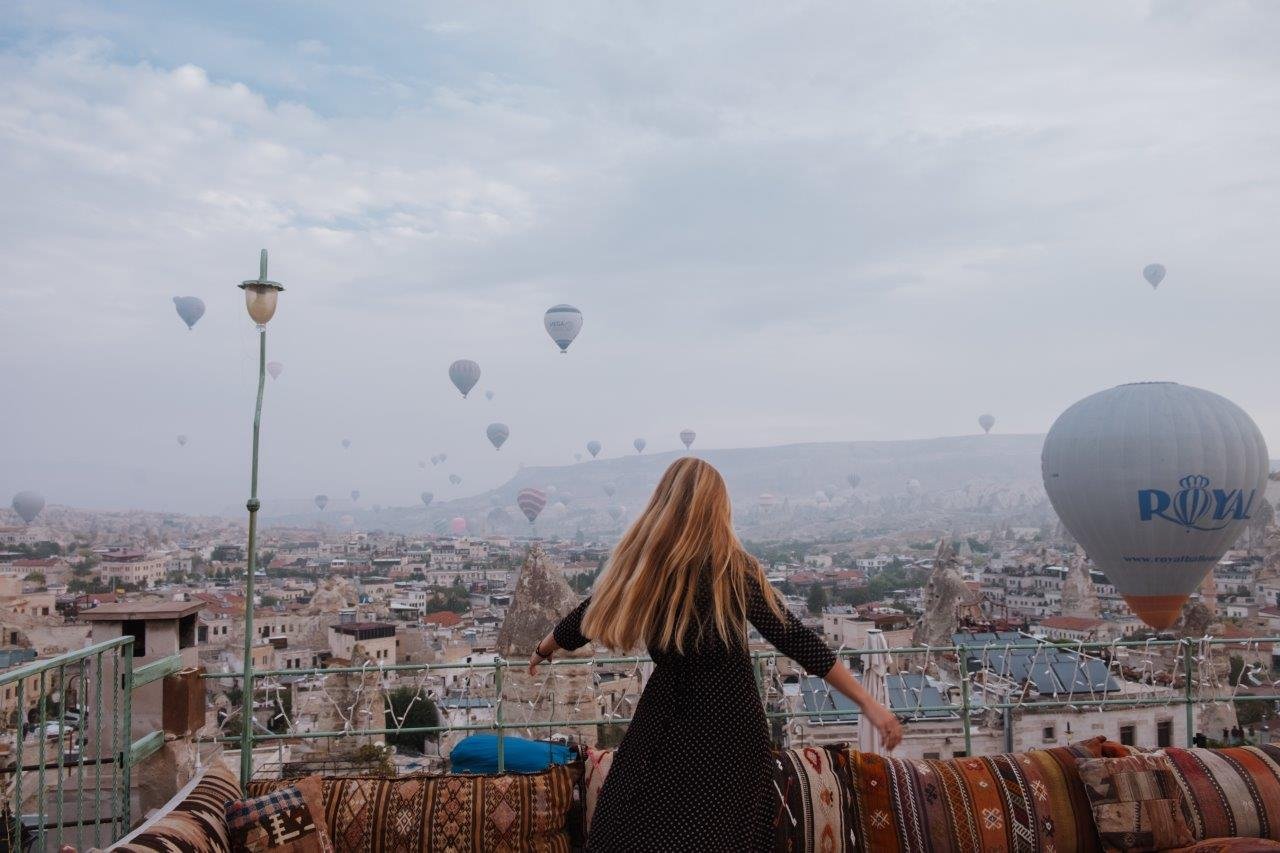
x: 197, y: 824
x: 1231, y: 792
x: 506, y: 812
x: 834, y: 798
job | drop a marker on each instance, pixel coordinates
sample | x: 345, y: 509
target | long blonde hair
x: 682, y: 541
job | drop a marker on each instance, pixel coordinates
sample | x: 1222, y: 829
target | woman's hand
x: 543, y: 651
x: 889, y: 727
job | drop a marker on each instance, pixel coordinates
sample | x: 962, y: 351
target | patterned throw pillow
x: 288, y: 820
x: 1230, y: 793
x: 1137, y: 803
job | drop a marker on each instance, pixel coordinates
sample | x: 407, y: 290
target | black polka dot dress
x: 694, y: 770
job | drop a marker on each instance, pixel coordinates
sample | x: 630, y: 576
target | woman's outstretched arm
x: 789, y: 636
x: 566, y: 635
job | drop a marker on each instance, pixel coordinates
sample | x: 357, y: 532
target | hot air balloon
x: 639, y: 444
x: 435, y: 460
x: 913, y: 486
x: 190, y: 309
x: 28, y: 505
x: 426, y: 498
x: 686, y: 437
x: 593, y: 447
x: 458, y: 526
x: 321, y: 501
x: 609, y: 489
x: 455, y: 479
x: 441, y: 526
x: 464, y: 373
x: 531, y: 501
x: 854, y: 480
x: 488, y: 395
x: 562, y: 322
x: 1155, y: 480
x: 182, y: 441
x: 497, y: 434
x: 986, y: 422
x: 443, y: 457
x: 346, y: 444
x: 615, y: 512
x: 355, y: 495
x: 830, y: 492
x: 275, y: 368
x: 1154, y: 274
x: 577, y: 457
x: 422, y: 463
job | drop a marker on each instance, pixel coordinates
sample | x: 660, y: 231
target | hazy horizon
x: 782, y: 225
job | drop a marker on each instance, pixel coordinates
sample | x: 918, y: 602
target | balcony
x: 72, y: 770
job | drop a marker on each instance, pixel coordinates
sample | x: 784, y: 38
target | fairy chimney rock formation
x: 542, y: 597
x: 944, y: 593
x: 1079, y: 598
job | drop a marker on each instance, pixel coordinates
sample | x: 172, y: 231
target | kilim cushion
x: 835, y: 798
x: 505, y: 812
x: 198, y: 823
x: 1136, y: 802
x: 1230, y: 793
x: 1232, y: 845
x: 287, y: 820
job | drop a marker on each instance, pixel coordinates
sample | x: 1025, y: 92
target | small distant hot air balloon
x: 355, y: 495
x: 531, y: 502
x: 830, y: 492
x: 346, y: 444
x: 182, y: 441
x: 322, y: 501
x: 498, y: 434
x: 986, y: 422
x: 854, y: 480
x: 1154, y: 274
x: 913, y: 486
x: 443, y: 457
x: 422, y: 463
x: 488, y: 395
x: 426, y: 498
x: 275, y: 368
x: 1156, y: 480
x: 686, y: 437
x: 28, y: 505
x: 458, y: 526
x: 464, y: 374
x: 562, y: 322
x: 639, y: 444
x: 577, y: 457
x: 190, y: 309
x: 441, y: 526
x: 593, y: 447
x: 609, y: 489
x: 455, y: 479
x: 435, y: 460
x: 615, y: 512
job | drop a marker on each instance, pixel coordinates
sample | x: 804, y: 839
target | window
x: 1050, y: 733
x: 932, y: 756
x: 1164, y: 733
x: 1127, y: 735
x: 136, y: 628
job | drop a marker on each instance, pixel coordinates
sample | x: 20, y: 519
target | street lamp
x: 260, y: 296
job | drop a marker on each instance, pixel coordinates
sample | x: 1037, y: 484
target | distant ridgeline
x: 800, y: 490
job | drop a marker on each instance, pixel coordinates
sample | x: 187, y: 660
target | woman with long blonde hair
x: 693, y: 771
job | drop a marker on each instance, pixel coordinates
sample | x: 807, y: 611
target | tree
x: 817, y: 599
x: 35, y: 577
x: 412, y: 714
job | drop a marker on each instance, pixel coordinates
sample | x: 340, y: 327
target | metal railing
x: 1194, y: 676
x: 70, y: 775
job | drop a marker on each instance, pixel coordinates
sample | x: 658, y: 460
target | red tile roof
x: 443, y: 618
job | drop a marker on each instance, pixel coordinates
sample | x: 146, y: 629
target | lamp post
x: 260, y: 299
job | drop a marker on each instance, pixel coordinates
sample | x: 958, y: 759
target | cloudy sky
x: 783, y: 222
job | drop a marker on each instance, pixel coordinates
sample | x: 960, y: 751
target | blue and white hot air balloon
x: 498, y: 433
x: 464, y: 373
x: 639, y: 444
x: 190, y: 309
x: 1154, y: 274
x: 1156, y: 480
x: 562, y: 322
x: 593, y: 447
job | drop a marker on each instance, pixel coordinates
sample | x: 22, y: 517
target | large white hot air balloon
x: 639, y: 444
x: 28, y: 505
x: 190, y: 309
x: 531, y: 501
x: 1155, y: 480
x: 1154, y: 274
x: 986, y: 422
x: 498, y: 434
x: 562, y: 322
x: 593, y: 447
x: 686, y: 438
x: 275, y: 368
x: 464, y: 373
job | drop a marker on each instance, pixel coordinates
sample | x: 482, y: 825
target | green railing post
x: 125, y: 685
x: 963, y: 652
x: 1188, y: 694
x: 253, y: 504
x: 17, y: 773
x: 497, y: 712
x: 97, y: 746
